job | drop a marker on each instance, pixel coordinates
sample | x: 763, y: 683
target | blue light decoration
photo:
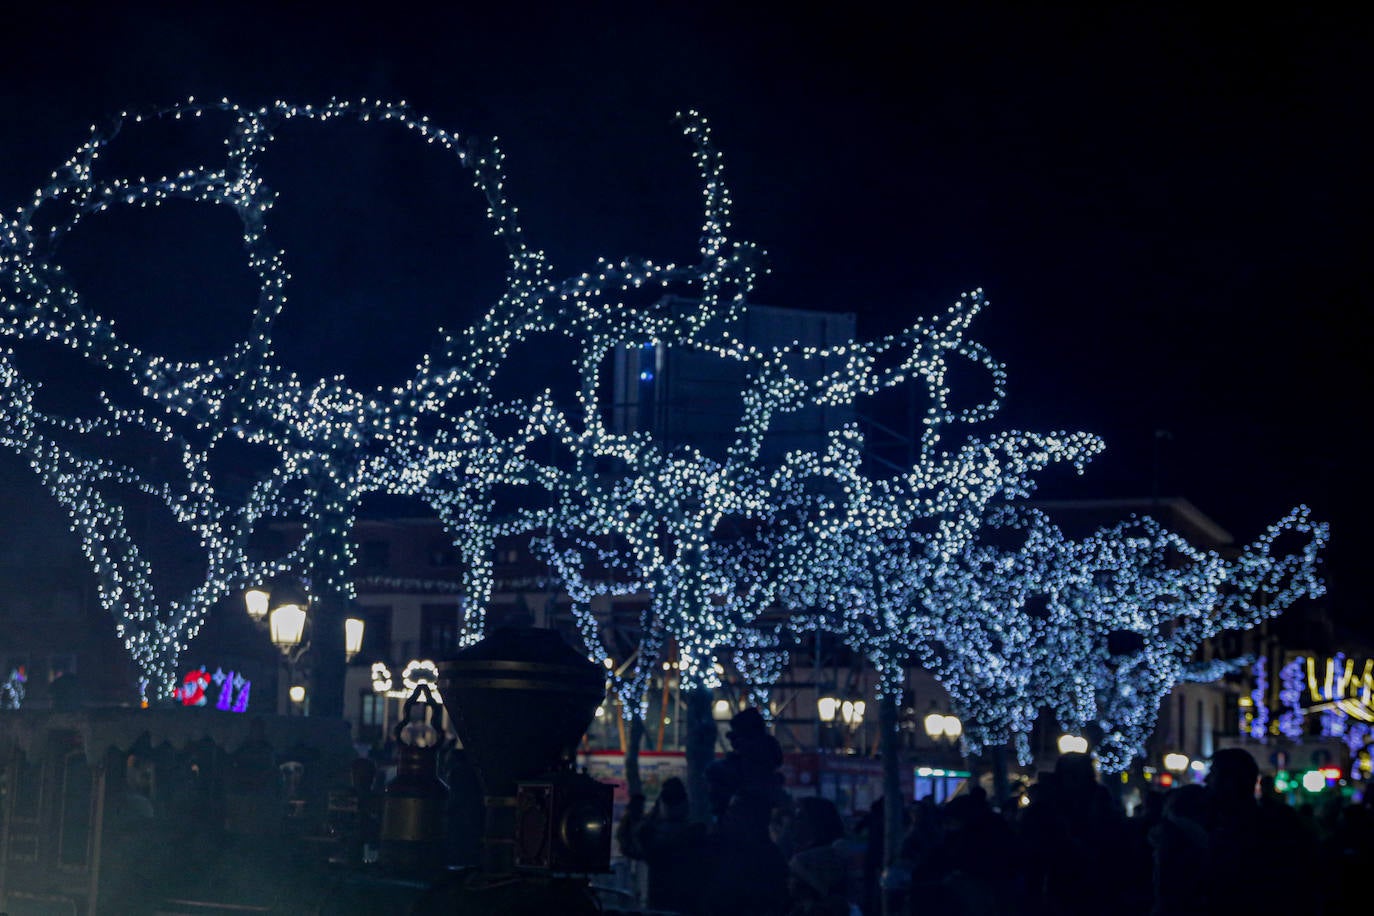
x: 440, y: 434
x: 1167, y: 596
x: 760, y: 658
x: 1214, y: 669
x: 1293, y: 718
x: 1257, y: 726
x: 901, y: 567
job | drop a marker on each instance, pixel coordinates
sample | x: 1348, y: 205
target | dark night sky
x: 1167, y: 209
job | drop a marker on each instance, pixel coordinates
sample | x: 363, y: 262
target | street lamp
x: 287, y: 620
x: 939, y: 726
x: 1176, y: 763
x: 353, y: 636
x: 852, y: 713
x: 826, y: 707
x: 283, y: 610
x: 258, y: 601
x: 1073, y: 744
x: 287, y: 625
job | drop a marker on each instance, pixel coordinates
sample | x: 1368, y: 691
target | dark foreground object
x: 128, y: 811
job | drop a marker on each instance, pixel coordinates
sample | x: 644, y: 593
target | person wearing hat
x: 751, y: 763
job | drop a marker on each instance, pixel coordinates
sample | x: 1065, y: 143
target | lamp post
x: 1176, y: 763
x: 1073, y: 744
x: 827, y: 707
x: 850, y: 714
x: 940, y: 727
x: 284, y: 610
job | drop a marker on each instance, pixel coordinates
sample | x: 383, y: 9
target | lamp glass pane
x: 288, y: 625
x: 826, y: 706
x: 353, y: 636
x: 256, y: 601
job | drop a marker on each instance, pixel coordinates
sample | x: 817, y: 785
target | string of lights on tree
x: 715, y: 541
x: 897, y: 567
x: 761, y: 658
x: 325, y: 444
x: 1149, y: 599
x: 896, y: 574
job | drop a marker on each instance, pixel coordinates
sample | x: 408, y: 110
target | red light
x: 1331, y: 772
x: 1166, y: 780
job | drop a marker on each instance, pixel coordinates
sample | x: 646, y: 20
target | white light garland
x: 429, y: 436
x: 912, y: 566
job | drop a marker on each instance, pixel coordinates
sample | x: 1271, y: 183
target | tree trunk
x: 894, y: 805
x: 701, y: 750
x: 1001, y: 785
x: 329, y: 605
x: 327, y: 665
x: 634, y: 785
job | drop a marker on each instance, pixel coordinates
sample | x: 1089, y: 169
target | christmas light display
x: 712, y: 541
x: 1338, y: 691
x: 430, y: 436
x: 921, y: 565
x: 1147, y: 601
x: 1292, y: 721
x: 1257, y: 723
x: 902, y: 575
x: 760, y: 658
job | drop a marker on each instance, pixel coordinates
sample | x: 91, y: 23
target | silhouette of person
x: 747, y: 872
x: 1075, y: 841
x: 1212, y: 842
x: 671, y: 846
x: 818, y: 872
x: 752, y: 762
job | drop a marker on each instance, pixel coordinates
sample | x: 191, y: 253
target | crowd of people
x: 1228, y: 845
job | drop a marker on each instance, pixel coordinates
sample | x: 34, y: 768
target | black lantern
x: 413, y: 810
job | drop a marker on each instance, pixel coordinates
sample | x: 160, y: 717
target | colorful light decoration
x: 196, y: 687
x: 1337, y: 690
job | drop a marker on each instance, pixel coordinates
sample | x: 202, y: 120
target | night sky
x: 1167, y: 209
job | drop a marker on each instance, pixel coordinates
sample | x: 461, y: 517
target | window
x: 374, y: 708
x: 372, y: 721
x: 438, y: 630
